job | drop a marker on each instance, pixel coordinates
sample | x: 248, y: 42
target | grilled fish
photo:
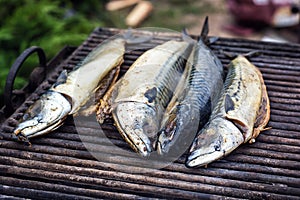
x: 192, y: 101
x: 242, y: 113
x: 71, y: 91
x: 138, y: 100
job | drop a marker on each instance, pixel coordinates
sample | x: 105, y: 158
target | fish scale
x: 206, y: 75
x: 191, y: 103
x: 168, y: 82
x: 143, y: 93
x: 235, y: 90
x: 243, y: 100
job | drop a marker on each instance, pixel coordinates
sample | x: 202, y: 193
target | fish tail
x: 186, y: 36
x: 131, y: 37
x: 249, y: 54
x: 203, y: 35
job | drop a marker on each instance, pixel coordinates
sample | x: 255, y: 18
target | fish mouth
x: 24, y: 134
x: 165, y: 141
x: 214, y: 141
x: 45, y: 115
x: 19, y: 137
x: 137, y: 123
x: 197, y: 158
x: 162, y: 144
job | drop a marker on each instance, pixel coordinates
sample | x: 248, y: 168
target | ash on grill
x: 59, y: 166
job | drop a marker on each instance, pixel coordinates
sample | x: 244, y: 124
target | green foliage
x: 45, y: 23
x: 52, y: 24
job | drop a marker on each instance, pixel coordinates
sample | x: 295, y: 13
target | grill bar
x: 140, y: 178
x: 43, y: 190
x: 59, y: 166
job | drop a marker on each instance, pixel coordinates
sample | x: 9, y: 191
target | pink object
x: 238, y: 30
x: 258, y: 11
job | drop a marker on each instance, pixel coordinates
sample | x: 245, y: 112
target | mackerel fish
x: 72, y: 90
x: 242, y: 113
x: 191, y: 105
x: 139, y: 99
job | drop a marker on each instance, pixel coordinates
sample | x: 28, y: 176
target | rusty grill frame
x: 59, y: 166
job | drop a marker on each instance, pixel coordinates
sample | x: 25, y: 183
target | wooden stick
x: 139, y: 13
x: 120, y: 4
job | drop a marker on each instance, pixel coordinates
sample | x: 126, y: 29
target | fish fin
x: 229, y: 55
x: 253, y: 53
x: 250, y: 54
x: 186, y: 36
x: 203, y: 35
x: 229, y: 104
x: 212, y: 40
x: 130, y: 38
x: 185, y: 33
x: 204, y: 31
x: 62, y: 78
x: 240, y: 125
x: 256, y: 132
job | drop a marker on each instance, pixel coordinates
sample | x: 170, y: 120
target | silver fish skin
x: 232, y: 120
x: 192, y: 101
x: 71, y: 91
x: 143, y: 93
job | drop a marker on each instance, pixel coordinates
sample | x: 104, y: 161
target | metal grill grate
x: 59, y: 166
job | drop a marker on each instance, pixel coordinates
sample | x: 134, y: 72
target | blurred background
x: 53, y: 24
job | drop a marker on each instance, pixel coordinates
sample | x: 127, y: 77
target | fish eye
x: 217, y: 145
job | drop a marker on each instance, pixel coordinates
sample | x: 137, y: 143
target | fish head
x: 45, y: 115
x: 165, y: 141
x: 217, y: 139
x: 138, y: 124
x: 181, y: 123
x: 167, y: 132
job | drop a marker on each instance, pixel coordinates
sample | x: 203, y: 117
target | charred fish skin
x: 192, y: 102
x: 244, y: 96
x: 71, y: 91
x: 234, y: 119
x: 143, y: 93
